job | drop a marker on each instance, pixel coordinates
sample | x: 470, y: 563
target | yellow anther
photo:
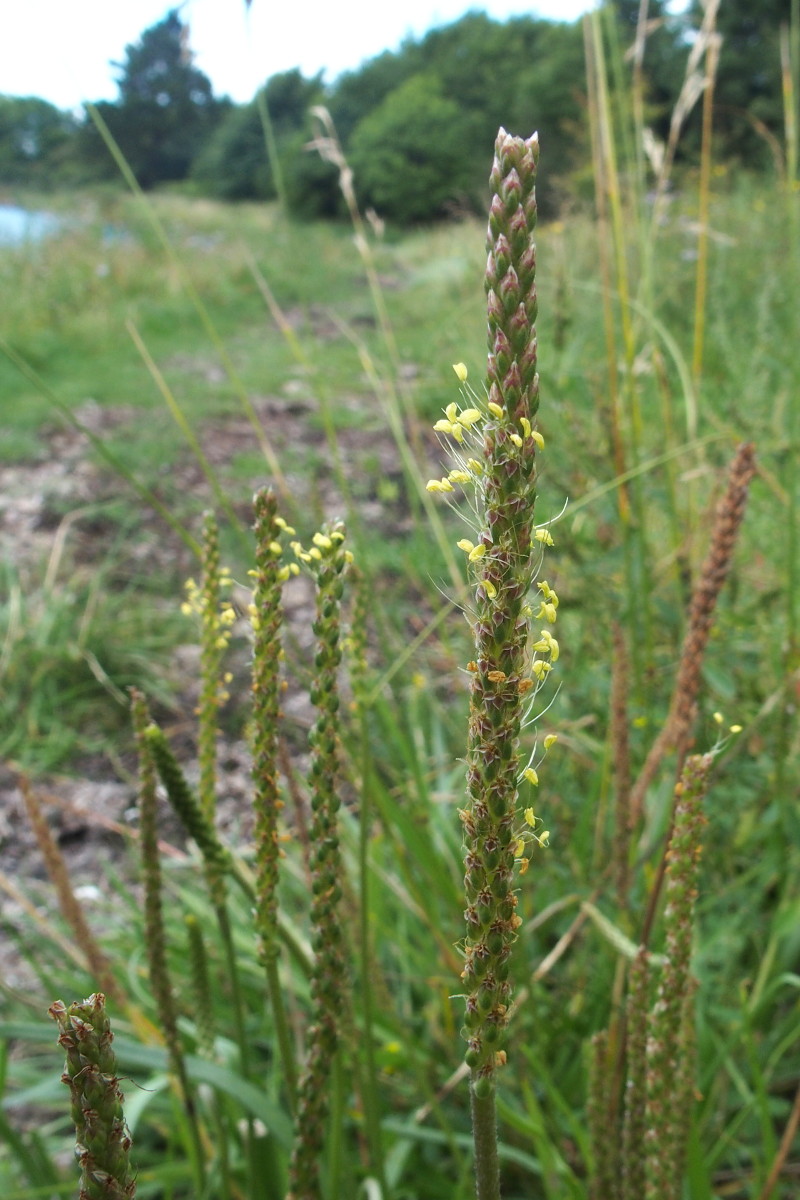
x: 469, y: 417
x: 461, y: 372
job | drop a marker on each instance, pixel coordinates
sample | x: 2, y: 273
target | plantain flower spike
x: 501, y: 614
x: 102, y: 1139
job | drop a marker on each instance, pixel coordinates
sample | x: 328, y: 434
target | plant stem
x: 484, y: 1135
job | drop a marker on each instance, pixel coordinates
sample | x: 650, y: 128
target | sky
x: 61, y: 50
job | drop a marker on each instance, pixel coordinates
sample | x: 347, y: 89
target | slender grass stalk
x: 620, y: 753
x: 626, y: 422
x: 183, y: 424
x: 205, y: 1024
x: 389, y: 388
x: 201, y: 986
x: 208, y: 325
x: 217, y: 861
x: 594, y: 69
x: 96, y: 958
x: 98, y: 445
x: 701, y: 274
x: 155, y: 937
x: 271, y: 145
x: 357, y: 646
x: 790, y: 87
x: 102, y: 1139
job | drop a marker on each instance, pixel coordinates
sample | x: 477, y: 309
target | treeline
x: 415, y: 123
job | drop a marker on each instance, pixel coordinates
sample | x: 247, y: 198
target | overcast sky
x: 61, y: 50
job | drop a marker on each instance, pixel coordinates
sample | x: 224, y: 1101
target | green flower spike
x: 216, y: 618
x: 216, y: 857
x: 501, y: 626
x: 670, y: 1082
x: 102, y: 1139
x: 266, y: 616
x: 328, y: 973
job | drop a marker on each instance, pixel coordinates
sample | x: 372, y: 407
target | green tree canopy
x: 748, y: 101
x: 524, y: 74
x: 407, y: 154
x: 35, y: 141
x: 166, y: 108
x: 234, y: 165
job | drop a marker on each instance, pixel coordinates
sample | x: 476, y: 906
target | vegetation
x: 286, y: 985
x: 467, y: 78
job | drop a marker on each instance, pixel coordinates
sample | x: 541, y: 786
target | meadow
x: 168, y: 356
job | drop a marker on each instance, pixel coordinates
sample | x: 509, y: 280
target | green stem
x: 484, y: 1134
x: 283, y: 1033
x: 372, y: 1107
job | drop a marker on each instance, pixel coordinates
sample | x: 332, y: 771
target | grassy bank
x: 638, y: 428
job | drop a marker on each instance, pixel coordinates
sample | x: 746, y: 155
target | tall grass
x: 633, y: 976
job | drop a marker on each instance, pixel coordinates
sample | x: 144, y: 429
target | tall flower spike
x: 327, y: 979
x: 267, y: 615
x: 669, y: 1076
x: 211, y: 648
x: 500, y: 626
x: 266, y: 712
x: 155, y: 935
x: 102, y: 1139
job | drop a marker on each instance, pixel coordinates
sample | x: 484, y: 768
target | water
x: 20, y: 225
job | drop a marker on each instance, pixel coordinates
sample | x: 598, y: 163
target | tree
x: 664, y: 57
x: 234, y: 164
x: 407, y: 154
x: 748, y: 104
x: 35, y: 141
x: 166, y: 108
